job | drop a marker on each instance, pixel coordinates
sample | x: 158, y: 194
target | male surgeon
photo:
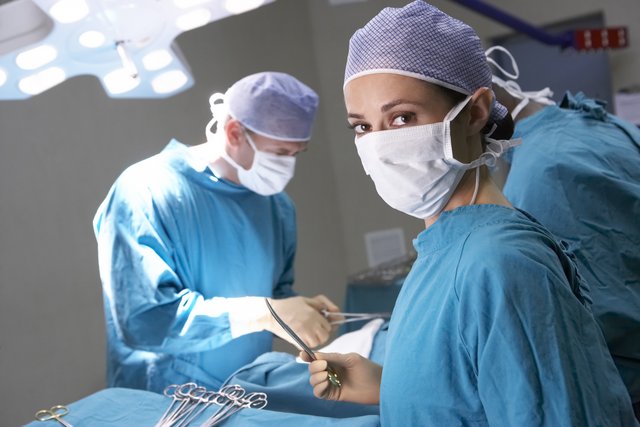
x: 192, y: 240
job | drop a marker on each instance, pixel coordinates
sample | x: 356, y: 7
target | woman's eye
x: 359, y: 128
x: 402, y: 119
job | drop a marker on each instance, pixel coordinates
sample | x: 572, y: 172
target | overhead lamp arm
x: 583, y: 39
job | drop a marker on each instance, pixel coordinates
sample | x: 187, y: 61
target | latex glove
x: 360, y: 377
x: 304, y: 316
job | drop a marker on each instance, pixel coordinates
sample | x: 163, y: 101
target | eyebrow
x: 386, y: 107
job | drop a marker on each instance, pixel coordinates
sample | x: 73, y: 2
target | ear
x: 480, y: 110
x: 234, y: 132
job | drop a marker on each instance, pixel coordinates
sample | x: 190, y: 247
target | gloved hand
x: 360, y: 377
x: 304, y: 316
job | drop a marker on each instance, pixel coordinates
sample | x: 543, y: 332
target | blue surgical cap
x: 275, y: 105
x: 423, y: 42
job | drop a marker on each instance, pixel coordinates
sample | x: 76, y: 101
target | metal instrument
x: 54, y: 413
x: 189, y: 401
x: 331, y: 373
x: 353, y: 317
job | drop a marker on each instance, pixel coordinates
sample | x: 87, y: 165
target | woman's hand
x: 360, y: 377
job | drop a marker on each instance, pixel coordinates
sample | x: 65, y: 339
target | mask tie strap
x: 477, y: 187
x: 495, y: 149
x: 451, y: 115
x: 250, y: 141
x: 514, y: 64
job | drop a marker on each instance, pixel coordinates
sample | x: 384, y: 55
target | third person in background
x: 577, y: 171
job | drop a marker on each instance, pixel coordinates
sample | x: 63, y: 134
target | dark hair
x: 503, y: 128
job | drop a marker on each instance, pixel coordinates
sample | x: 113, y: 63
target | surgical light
x: 36, y: 57
x: 237, y: 7
x: 193, y: 19
x: 157, y: 60
x: 41, y: 81
x: 68, y: 11
x: 184, y: 4
x: 120, y: 81
x: 129, y: 45
x: 169, y: 81
x: 92, y: 39
x: 3, y: 76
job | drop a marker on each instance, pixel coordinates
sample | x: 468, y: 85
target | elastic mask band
x: 514, y: 65
x: 451, y: 115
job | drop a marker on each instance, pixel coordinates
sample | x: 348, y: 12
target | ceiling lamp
x: 129, y: 45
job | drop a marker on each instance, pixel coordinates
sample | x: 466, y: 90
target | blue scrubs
x: 171, y: 236
x: 492, y: 327
x: 578, y: 173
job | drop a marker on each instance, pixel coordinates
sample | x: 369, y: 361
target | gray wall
x: 60, y: 152
x: 360, y: 207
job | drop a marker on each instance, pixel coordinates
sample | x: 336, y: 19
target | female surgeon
x: 492, y: 326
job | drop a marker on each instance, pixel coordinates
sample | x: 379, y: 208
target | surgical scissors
x: 54, y: 413
x: 353, y: 317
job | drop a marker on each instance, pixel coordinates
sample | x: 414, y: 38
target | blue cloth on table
x: 577, y: 172
x: 128, y: 407
x: 286, y: 382
x: 171, y: 237
x: 492, y: 328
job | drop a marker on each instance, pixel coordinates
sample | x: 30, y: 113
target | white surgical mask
x: 269, y: 173
x: 413, y: 168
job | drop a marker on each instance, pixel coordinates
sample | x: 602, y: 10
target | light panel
x: 3, y: 77
x: 129, y: 45
x: 241, y: 6
x: 41, y: 81
x: 92, y: 39
x: 69, y: 11
x: 194, y: 19
x: 169, y: 82
x: 157, y: 60
x: 120, y: 81
x: 36, y: 57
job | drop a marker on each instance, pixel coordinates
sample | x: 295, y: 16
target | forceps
x: 236, y: 399
x: 54, y: 413
x: 331, y: 374
x: 353, y: 317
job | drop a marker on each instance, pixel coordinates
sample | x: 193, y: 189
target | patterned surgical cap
x: 275, y: 105
x: 423, y: 42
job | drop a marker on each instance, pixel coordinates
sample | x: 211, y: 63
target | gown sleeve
x: 537, y: 353
x: 284, y: 286
x: 151, y: 307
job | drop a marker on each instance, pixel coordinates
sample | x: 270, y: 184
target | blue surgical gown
x: 171, y: 236
x: 578, y: 173
x: 492, y: 328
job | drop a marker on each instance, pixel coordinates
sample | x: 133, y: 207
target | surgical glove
x: 360, y: 377
x: 304, y: 316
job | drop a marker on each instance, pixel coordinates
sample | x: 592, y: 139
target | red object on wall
x: 600, y: 38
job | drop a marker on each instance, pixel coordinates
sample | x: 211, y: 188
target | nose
x: 298, y: 148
